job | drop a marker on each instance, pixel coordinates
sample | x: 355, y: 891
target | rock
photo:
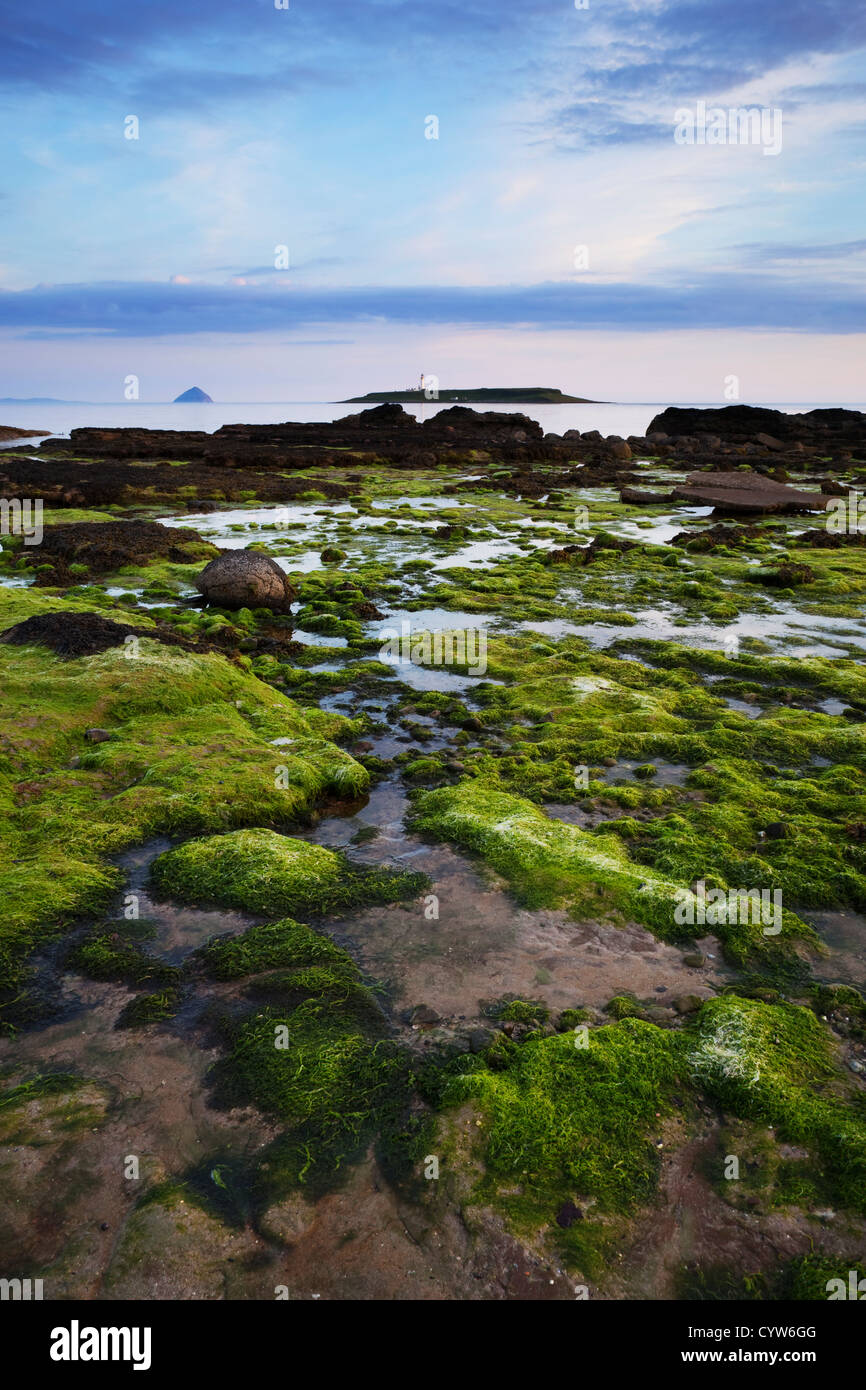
x: 480, y: 1039
x: 694, y: 960
x: 423, y: 1016
x: 73, y: 634
x: 746, y: 491
x: 246, y: 579
x: 104, y: 546
x: 785, y: 576
x: 657, y: 1014
x: 98, y: 735
x: 777, y: 830
x: 289, y: 1220
x: 332, y: 555
x: 618, y: 449
x: 768, y: 441
x: 687, y: 1003
x: 567, y: 1215
x: 713, y: 536
x: 642, y: 498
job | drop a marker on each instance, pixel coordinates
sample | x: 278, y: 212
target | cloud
x: 778, y: 252
x: 146, y: 309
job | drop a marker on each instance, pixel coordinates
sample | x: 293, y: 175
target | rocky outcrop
x: 747, y: 492
x: 640, y: 497
x: 63, y: 482
x: 105, y: 546
x: 13, y: 432
x: 829, y: 431
x: 84, y: 634
x: 246, y: 579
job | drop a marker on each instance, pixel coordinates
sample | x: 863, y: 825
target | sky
x: 309, y: 202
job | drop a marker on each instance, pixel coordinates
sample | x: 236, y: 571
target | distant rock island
x: 511, y: 395
x: 195, y: 393
x: 36, y: 400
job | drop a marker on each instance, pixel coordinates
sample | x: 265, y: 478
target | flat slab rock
x: 747, y: 492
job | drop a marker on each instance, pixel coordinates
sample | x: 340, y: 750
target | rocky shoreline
x: 367, y: 911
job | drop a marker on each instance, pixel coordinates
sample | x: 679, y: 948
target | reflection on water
x: 844, y: 933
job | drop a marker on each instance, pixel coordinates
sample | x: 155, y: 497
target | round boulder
x: 246, y: 579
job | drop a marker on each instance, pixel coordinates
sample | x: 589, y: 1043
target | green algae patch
x: 752, y: 802
x: 275, y: 875
x: 50, y: 1107
x: 561, y: 1122
x: 805, y: 1279
x: 269, y: 947
x: 775, y: 1063
x: 188, y: 747
x: 580, y: 1121
x: 549, y: 863
x: 145, y: 1009
x: 105, y: 954
x: 317, y: 1059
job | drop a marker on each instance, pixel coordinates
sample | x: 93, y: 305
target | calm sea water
x: 631, y: 418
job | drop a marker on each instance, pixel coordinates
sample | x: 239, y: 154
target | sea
x: 607, y: 417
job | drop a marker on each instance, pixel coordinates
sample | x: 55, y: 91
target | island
x: 504, y: 395
x: 195, y: 393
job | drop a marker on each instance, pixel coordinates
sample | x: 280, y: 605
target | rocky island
x: 477, y: 395
x: 194, y: 395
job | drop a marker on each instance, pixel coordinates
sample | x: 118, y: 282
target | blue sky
x: 305, y: 127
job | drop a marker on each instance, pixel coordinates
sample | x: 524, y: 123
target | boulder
x: 644, y: 498
x: 246, y: 579
x: 618, y: 448
x: 746, y: 491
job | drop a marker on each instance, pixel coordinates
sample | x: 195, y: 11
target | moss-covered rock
x: 192, y: 750
x: 274, y: 875
x: 548, y: 863
x: 268, y: 947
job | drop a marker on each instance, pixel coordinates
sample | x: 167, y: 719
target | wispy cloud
x: 713, y: 301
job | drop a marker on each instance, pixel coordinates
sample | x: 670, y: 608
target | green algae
x: 582, y: 1118
x: 145, y: 1009
x: 559, y: 705
x: 105, y: 954
x: 774, y: 1063
x: 806, y: 1278
x: 566, y: 1122
x: 50, y: 1106
x: 261, y: 871
x: 564, y: 708
x: 267, y: 947
x: 321, y: 1064
x: 191, y: 749
x: 549, y: 863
